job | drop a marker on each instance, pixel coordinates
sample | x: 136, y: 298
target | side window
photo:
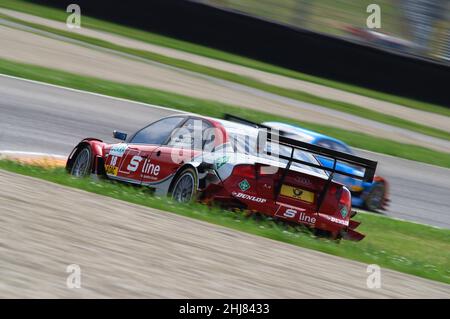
x: 189, y: 135
x: 157, y: 133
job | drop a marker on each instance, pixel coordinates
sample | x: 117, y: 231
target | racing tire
x: 82, y: 163
x: 185, y: 186
x: 375, y: 198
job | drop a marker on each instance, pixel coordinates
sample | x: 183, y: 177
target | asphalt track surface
x: 42, y: 118
x: 23, y: 44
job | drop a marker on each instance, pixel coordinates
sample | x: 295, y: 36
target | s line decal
x: 111, y: 170
x: 134, y: 163
x: 150, y: 169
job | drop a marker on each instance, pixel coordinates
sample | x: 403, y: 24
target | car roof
x: 244, y: 129
x: 237, y: 127
x: 306, y: 135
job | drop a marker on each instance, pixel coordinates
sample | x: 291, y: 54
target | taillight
x: 345, y: 202
x: 247, y: 171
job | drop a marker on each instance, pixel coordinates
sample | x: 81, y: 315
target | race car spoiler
x: 368, y: 165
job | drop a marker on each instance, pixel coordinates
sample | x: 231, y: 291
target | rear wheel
x: 375, y: 199
x: 185, y: 186
x: 82, y: 164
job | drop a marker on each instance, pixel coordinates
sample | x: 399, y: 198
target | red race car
x: 234, y: 163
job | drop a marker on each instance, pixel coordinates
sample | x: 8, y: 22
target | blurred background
x: 312, y: 64
x: 418, y: 27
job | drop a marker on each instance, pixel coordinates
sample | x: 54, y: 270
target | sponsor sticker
x: 344, y: 212
x: 244, y: 185
x: 299, y: 213
x: 150, y: 169
x: 111, y: 170
x: 297, y: 193
x: 303, y: 218
x: 249, y: 197
x: 335, y: 220
x: 134, y: 163
x: 118, y: 149
x: 290, y: 213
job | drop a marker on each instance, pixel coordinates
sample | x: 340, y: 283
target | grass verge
x: 216, y: 109
x: 61, y: 15
x: 247, y: 81
x: 399, y: 245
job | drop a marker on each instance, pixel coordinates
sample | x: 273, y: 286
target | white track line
x: 8, y: 152
x: 165, y: 108
x: 91, y: 93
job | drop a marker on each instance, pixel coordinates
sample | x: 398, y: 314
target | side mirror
x: 119, y: 135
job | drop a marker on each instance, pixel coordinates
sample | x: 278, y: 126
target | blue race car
x: 371, y: 196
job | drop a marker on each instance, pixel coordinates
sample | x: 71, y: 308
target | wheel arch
x: 194, y: 166
x: 96, y: 147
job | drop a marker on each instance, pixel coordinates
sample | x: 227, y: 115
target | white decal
x: 113, y: 160
x: 134, y: 163
x: 335, y: 220
x: 249, y: 197
x: 339, y: 221
x: 150, y: 168
x: 290, y: 213
x: 306, y: 219
x: 118, y: 149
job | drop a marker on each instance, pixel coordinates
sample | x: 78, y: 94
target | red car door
x: 131, y: 161
x: 180, y: 148
x: 134, y: 161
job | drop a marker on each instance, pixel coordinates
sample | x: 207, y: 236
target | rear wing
x: 336, y: 156
x: 368, y: 165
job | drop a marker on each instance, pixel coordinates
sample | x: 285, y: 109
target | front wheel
x: 82, y: 164
x: 185, y: 186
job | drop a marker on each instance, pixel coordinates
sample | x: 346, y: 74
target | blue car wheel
x: 375, y: 198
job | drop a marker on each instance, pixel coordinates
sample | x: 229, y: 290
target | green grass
x: 216, y: 109
x: 88, y: 22
x: 247, y: 81
x: 403, y: 246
